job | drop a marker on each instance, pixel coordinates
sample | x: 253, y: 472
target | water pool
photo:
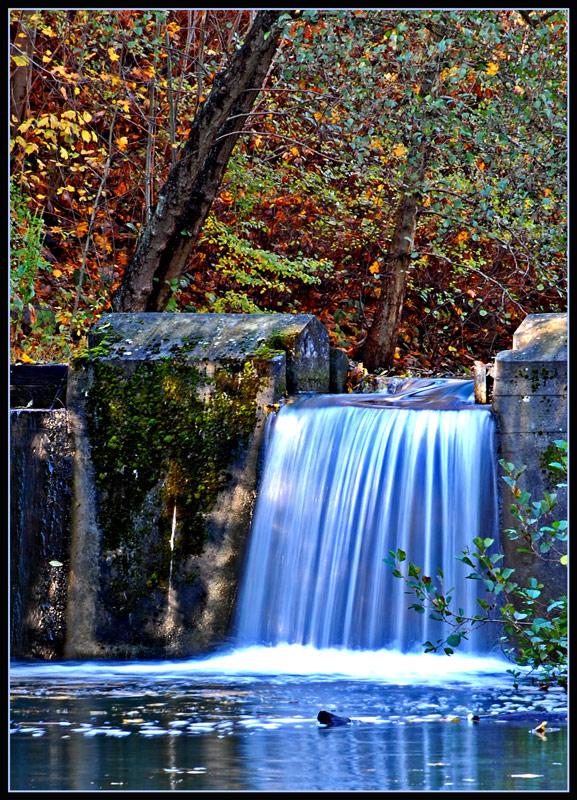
x: 216, y: 725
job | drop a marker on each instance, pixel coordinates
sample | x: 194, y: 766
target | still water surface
x: 247, y: 721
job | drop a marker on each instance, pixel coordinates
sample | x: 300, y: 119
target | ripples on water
x: 246, y: 720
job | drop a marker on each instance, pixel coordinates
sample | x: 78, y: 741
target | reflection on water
x: 187, y: 726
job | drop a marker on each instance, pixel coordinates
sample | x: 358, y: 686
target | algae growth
x: 166, y: 424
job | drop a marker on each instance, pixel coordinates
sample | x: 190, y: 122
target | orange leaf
x: 374, y: 269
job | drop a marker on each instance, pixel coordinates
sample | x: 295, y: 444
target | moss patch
x: 149, y: 426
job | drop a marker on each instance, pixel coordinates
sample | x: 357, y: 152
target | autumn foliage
x: 102, y: 102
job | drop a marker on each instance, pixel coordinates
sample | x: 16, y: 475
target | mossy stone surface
x: 168, y: 417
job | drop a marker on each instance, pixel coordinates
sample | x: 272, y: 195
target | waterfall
x: 346, y: 479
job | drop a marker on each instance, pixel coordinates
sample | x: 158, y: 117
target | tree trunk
x: 379, y: 346
x: 20, y: 78
x: 185, y: 199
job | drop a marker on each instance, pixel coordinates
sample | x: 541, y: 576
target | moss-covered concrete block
x: 168, y: 412
x: 222, y: 338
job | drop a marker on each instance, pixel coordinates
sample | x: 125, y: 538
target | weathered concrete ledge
x: 167, y: 413
x: 530, y: 401
x: 222, y: 338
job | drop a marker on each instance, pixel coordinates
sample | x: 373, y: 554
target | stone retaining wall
x: 40, y: 508
x: 163, y: 433
x: 530, y: 401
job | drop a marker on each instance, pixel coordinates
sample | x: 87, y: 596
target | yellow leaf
x: 374, y: 269
x: 26, y: 359
x: 492, y: 68
x: 122, y: 142
x: 318, y: 116
x: 400, y: 150
x: 57, y: 273
x: 63, y: 153
x: 21, y: 61
x: 69, y: 114
x: 48, y: 31
x: 113, y: 55
x: 87, y: 116
x: 31, y: 148
x: 86, y: 136
x: 295, y: 151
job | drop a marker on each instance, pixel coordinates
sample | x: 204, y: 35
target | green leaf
x: 532, y: 593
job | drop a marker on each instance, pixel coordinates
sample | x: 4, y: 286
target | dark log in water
x: 331, y: 720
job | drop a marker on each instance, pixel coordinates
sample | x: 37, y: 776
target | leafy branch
x: 534, y: 630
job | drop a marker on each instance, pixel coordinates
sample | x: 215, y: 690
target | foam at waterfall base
x: 387, y: 666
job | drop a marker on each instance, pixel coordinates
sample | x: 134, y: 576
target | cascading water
x: 348, y: 478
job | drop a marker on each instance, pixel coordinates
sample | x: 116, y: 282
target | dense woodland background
x: 451, y: 123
